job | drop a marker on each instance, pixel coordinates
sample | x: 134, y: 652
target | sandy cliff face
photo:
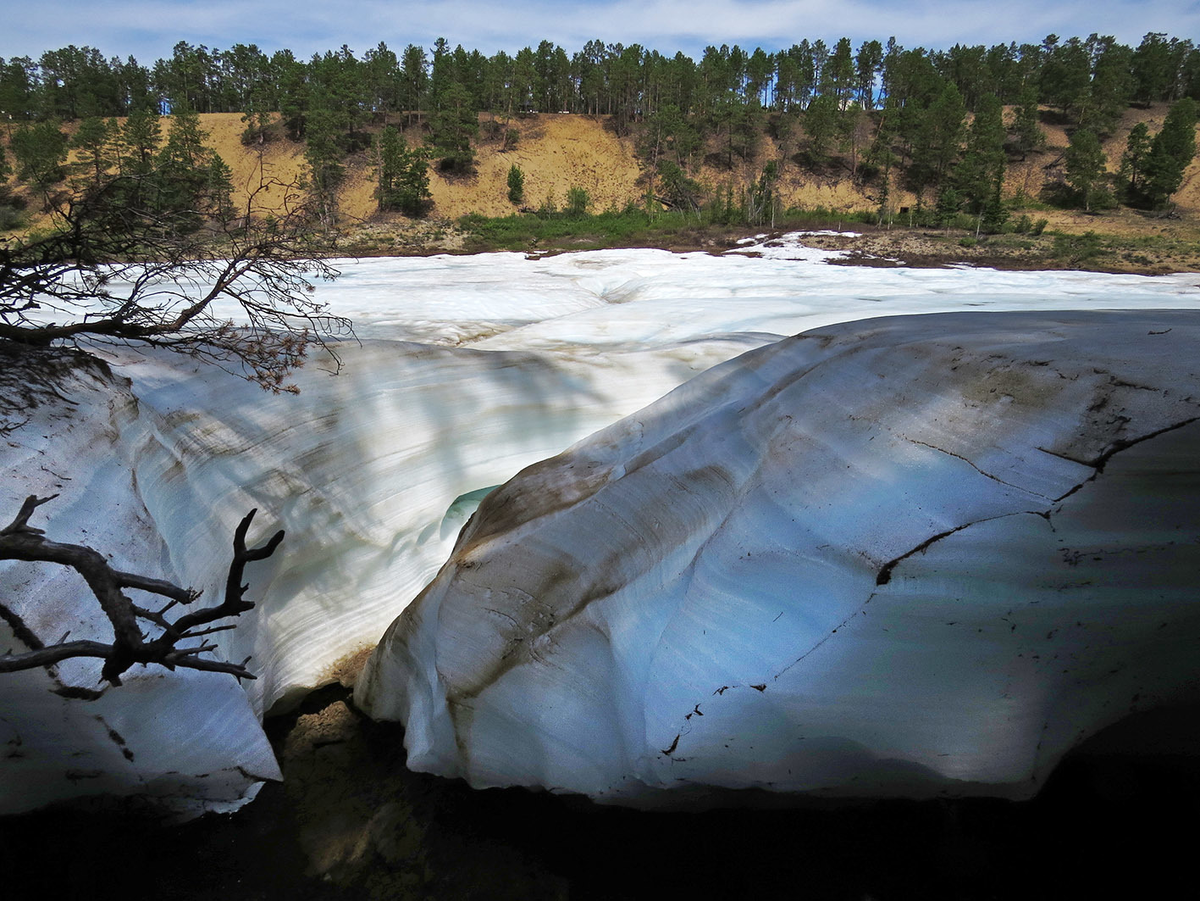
x: 555, y: 151
x: 561, y: 151
x: 558, y: 151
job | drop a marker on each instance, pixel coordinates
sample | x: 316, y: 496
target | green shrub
x: 1076, y: 249
x: 10, y: 217
x: 516, y: 184
x: 578, y: 201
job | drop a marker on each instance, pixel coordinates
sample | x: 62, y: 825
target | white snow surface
x: 469, y: 370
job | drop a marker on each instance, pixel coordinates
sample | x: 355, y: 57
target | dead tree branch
x: 130, y: 645
x: 113, y: 267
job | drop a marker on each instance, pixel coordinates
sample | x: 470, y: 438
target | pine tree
x: 1066, y: 76
x: 454, y: 127
x: 838, y: 74
x: 983, y: 162
x: 880, y: 156
x: 258, y: 114
x: 40, y: 150
x: 402, y: 175
x: 96, y: 154
x: 761, y: 199
x: 745, y: 127
x: 678, y: 191
x: 192, y: 180
x: 867, y: 63
x: 1170, y: 153
x: 184, y: 150
x: 935, y: 138
x: 324, y: 158
x: 949, y: 203
x: 137, y: 144
x: 854, y: 130
x: 516, y: 184
x: 668, y: 131
x: 1086, y: 167
x: 439, y: 72
x: 993, y: 215
x: 1152, y: 68
x: 884, y: 211
x: 218, y: 187
x: 820, y: 125
x: 1112, y: 84
x: 945, y: 125
x: 414, y: 80
x: 1133, y: 161
x: 1030, y: 137
x: 292, y: 89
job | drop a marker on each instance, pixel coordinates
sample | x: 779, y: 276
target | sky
x: 148, y: 29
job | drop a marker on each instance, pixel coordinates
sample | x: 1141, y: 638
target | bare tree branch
x: 20, y: 541
x: 114, y: 267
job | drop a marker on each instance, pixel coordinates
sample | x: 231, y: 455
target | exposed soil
x: 560, y: 151
x: 350, y: 822
x: 555, y: 151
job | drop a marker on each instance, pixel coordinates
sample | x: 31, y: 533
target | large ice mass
x: 904, y: 556
x: 470, y: 369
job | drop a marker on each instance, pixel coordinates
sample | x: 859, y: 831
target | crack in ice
x: 983, y: 473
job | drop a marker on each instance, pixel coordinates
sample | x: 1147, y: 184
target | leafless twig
x: 21, y: 541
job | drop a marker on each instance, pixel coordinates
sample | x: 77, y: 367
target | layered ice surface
x: 469, y: 369
x: 911, y: 556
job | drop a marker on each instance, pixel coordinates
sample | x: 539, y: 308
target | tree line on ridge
x: 939, y: 123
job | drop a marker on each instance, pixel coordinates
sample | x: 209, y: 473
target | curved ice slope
x: 367, y: 471
x: 372, y: 473
x: 472, y: 368
x: 183, y: 740
x: 908, y: 556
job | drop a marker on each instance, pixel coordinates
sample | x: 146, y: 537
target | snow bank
x: 471, y: 369
x: 185, y: 740
x: 912, y: 556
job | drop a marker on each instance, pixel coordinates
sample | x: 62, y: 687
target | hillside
x: 560, y: 151
x: 555, y: 151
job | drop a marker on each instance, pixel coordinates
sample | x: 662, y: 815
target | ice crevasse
x: 909, y: 556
